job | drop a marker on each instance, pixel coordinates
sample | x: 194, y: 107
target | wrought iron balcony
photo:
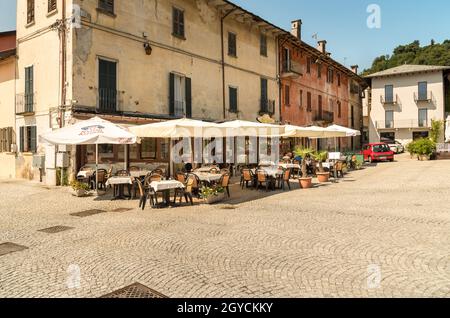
x: 423, y: 96
x: 406, y: 123
x: 267, y: 107
x: 108, y: 101
x: 25, y: 103
x: 390, y: 100
x: 325, y: 116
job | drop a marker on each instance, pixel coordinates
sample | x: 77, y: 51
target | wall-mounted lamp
x: 148, y: 49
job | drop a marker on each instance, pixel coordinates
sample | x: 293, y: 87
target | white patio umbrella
x: 242, y: 128
x: 178, y: 128
x: 340, y: 129
x: 312, y: 132
x: 95, y: 131
x: 447, y: 130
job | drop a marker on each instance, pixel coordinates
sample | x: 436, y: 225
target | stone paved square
x: 381, y: 232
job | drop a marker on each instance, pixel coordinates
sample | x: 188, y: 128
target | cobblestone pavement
x: 380, y: 232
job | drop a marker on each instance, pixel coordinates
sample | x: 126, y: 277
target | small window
x: 339, y: 79
x: 263, y: 45
x: 51, y: 6
x: 330, y: 75
x: 178, y: 23
x: 309, y: 102
x: 233, y: 92
x: 287, y: 95
x: 232, y: 49
x: 320, y: 104
x: 308, y: 65
x: 339, y: 109
x: 106, y: 6
x: 319, y: 70
x: 30, y: 11
x: 301, y: 99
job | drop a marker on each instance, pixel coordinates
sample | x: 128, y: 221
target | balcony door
x: 423, y: 91
x: 180, y: 96
x: 107, y: 86
x: 29, y: 89
x: 286, y: 60
x: 389, y: 119
x: 389, y: 93
x: 423, y: 117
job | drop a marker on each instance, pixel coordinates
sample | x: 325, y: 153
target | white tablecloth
x: 206, y: 169
x: 166, y: 185
x: 326, y: 165
x: 119, y: 180
x: 270, y: 171
x: 138, y: 174
x: 85, y: 174
x: 209, y: 177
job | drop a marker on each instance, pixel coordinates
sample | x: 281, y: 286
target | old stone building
x: 135, y: 62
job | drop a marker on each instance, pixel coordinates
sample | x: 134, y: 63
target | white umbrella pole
x: 126, y: 157
x: 96, y: 169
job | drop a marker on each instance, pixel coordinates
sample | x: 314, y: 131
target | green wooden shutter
x: 188, y: 82
x: 33, y: 141
x: 264, y: 99
x: 233, y: 92
x: 22, y: 139
x: 172, y: 94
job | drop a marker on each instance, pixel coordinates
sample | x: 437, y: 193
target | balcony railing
x: 290, y: 69
x: 324, y: 116
x: 25, y: 103
x: 179, y: 108
x: 267, y: 107
x: 407, y: 123
x: 107, y: 100
x: 390, y: 100
x: 423, y: 97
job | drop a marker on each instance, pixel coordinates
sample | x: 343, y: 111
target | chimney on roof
x: 322, y: 46
x: 355, y: 68
x: 296, y: 29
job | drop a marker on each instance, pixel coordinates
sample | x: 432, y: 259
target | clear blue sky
x: 343, y: 23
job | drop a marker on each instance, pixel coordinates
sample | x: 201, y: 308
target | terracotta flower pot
x: 215, y: 198
x: 323, y: 177
x: 305, y: 183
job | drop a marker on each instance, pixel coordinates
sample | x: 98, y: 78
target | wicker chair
x: 101, y: 183
x: 225, y: 182
x: 247, y: 177
x: 181, y: 177
x: 263, y: 180
x: 285, y: 179
x: 187, y: 192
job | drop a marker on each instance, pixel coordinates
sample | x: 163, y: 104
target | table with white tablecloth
x: 289, y: 166
x: 273, y: 172
x: 165, y: 187
x: 208, y: 177
x: 86, y: 174
x: 139, y: 173
x: 120, y: 183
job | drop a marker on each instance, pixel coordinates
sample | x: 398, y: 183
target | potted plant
x: 424, y: 148
x: 80, y: 189
x: 304, y: 153
x: 320, y: 157
x: 212, y: 195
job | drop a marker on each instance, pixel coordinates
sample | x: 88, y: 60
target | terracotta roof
x: 408, y: 69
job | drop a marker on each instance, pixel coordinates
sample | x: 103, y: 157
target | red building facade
x: 315, y: 89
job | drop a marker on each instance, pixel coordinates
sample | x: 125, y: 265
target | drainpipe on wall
x: 223, y: 61
x: 63, y: 66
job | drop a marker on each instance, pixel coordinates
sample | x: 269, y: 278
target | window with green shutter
x: 51, y: 5
x: 28, y: 139
x: 30, y: 11
x: 263, y: 45
x: 106, y: 5
x: 232, y: 44
x: 178, y: 23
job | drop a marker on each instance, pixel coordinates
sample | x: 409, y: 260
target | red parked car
x: 378, y: 152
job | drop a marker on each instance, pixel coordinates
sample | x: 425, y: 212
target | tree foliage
x: 413, y: 53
